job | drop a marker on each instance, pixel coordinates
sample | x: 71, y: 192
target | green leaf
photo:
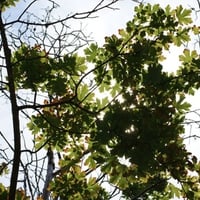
x: 82, y: 91
x: 91, y: 52
x: 6, y: 4
x: 173, y: 190
x: 115, y: 179
x: 196, y: 30
x: 154, y: 74
x: 102, y: 102
x: 181, y: 37
x: 90, y: 162
x: 105, y: 86
x: 183, y: 15
x: 188, y: 56
x: 168, y: 11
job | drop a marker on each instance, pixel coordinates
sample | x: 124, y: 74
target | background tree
x: 111, y: 117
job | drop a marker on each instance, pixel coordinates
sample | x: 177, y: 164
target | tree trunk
x: 49, y: 175
x: 15, y: 112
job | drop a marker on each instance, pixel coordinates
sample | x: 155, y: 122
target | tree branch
x: 81, y: 15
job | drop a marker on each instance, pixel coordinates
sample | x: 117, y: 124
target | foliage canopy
x: 114, y: 112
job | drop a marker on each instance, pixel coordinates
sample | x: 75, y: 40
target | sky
x: 107, y: 23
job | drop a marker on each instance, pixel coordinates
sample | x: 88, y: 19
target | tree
x: 36, y: 39
x: 112, y: 116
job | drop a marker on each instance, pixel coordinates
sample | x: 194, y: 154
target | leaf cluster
x: 6, y: 4
x: 146, y: 126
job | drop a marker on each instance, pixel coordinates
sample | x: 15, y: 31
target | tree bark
x: 15, y: 112
x: 49, y: 175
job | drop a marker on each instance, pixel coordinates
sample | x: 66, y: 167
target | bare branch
x: 81, y: 15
